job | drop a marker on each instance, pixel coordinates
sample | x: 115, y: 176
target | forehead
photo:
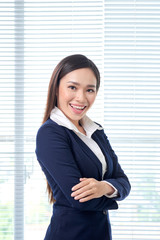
x: 81, y: 76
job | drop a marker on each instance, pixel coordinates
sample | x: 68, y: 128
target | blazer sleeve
x: 54, y: 154
x: 118, y: 178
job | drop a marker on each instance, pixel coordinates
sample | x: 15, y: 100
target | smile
x: 78, y: 107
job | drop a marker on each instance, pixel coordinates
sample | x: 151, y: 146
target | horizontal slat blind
x: 122, y: 38
x: 132, y: 111
x: 7, y: 95
x: 35, y: 36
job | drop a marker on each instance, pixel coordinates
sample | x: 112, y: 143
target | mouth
x: 78, y: 107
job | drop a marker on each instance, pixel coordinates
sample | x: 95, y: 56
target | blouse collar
x: 89, y: 126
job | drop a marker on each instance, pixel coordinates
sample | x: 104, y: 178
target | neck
x: 80, y: 128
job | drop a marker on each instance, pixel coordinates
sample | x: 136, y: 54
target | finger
x: 81, y: 190
x: 82, y: 179
x: 85, y: 199
x: 83, y: 195
x: 79, y: 185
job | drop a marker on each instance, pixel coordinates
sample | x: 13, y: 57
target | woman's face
x: 76, y: 93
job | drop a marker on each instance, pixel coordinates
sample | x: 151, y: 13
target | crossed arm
x: 90, y: 188
x: 57, y: 162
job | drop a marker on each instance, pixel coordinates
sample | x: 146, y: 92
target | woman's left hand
x: 90, y: 188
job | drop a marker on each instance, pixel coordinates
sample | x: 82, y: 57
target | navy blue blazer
x: 65, y: 158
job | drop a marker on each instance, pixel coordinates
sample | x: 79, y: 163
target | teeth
x: 77, y: 107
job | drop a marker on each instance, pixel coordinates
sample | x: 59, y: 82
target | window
x: 131, y: 111
x: 122, y: 38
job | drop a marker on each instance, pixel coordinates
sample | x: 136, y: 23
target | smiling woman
x: 84, y: 177
x: 76, y: 94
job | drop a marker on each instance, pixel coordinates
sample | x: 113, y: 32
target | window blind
x: 35, y: 36
x: 122, y: 38
x: 132, y: 111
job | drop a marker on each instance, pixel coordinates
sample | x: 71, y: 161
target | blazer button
x: 105, y: 212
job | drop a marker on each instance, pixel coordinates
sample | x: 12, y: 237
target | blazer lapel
x: 89, y: 153
x: 98, y: 138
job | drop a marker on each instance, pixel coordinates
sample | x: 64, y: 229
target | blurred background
x: 123, y: 38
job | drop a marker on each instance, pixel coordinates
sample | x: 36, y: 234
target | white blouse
x: 90, y: 127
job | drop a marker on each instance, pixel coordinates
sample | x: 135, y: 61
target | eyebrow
x: 76, y: 83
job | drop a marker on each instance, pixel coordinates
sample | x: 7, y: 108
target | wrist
x: 108, y: 189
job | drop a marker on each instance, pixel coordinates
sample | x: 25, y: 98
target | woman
x: 83, y: 174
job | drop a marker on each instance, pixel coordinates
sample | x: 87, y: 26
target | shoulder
x: 51, y: 129
x: 100, y: 130
x: 100, y: 135
x: 99, y: 125
x: 50, y: 124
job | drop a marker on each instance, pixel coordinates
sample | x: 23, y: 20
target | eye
x: 90, y: 90
x: 72, y: 87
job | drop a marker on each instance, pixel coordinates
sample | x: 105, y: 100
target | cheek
x: 65, y: 96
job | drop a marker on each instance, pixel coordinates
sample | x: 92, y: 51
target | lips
x: 78, y: 107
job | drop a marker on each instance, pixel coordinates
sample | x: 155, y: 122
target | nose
x: 80, y: 96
